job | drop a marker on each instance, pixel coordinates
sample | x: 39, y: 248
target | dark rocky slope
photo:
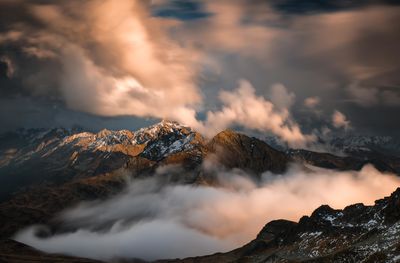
x: 357, y: 233
x: 15, y: 252
x: 382, y: 162
x: 235, y: 150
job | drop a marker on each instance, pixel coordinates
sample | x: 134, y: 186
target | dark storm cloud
x: 111, y: 59
x: 180, y: 9
x: 318, y: 6
x: 98, y: 57
x: 30, y: 112
x: 347, y: 58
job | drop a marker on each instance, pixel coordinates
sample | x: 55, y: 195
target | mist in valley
x: 152, y: 220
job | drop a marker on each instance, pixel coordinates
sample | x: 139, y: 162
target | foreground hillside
x: 357, y: 233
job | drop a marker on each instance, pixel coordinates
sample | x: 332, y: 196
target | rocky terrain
x: 347, y: 153
x: 29, y: 158
x: 15, y: 252
x: 42, y: 172
x: 356, y: 144
x: 382, y: 162
x: 34, y: 157
x: 357, y: 233
x: 350, y: 144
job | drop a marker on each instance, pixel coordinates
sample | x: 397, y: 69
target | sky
x: 295, y: 69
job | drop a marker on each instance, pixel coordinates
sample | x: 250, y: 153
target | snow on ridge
x: 154, y: 131
x: 160, y: 140
x: 348, y: 144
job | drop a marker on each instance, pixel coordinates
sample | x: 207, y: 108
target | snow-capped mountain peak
x: 162, y: 128
x: 154, y: 143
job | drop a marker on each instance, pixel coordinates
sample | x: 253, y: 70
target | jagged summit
x: 40, y: 155
x: 160, y: 129
x: 155, y: 142
x: 101, y: 138
x: 60, y: 154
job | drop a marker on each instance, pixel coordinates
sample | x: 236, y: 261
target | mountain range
x: 44, y: 171
x: 348, y: 145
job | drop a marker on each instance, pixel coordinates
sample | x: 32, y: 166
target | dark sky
x: 325, y: 66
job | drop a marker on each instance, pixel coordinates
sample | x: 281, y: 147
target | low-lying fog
x: 151, y: 222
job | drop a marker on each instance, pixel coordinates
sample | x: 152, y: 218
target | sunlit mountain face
x: 199, y: 131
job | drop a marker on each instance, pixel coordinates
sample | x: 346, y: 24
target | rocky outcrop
x: 235, y: 150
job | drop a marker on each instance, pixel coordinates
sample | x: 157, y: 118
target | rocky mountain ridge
x: 37, y: 157
x: 59, y: 155
x: 54, y: 170
x: 349, y: 145
x: 45, y: 171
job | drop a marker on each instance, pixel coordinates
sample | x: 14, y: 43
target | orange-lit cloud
x: 339, y: 120
x: 113, y: 58
x: 118, y: 60
x: 243, y: 107
x: 312, y: 102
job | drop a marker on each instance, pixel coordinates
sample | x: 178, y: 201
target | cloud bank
x: 118, y: 58
x: 152, y: 221
x: 113, y: 58
x: 243, y: 107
